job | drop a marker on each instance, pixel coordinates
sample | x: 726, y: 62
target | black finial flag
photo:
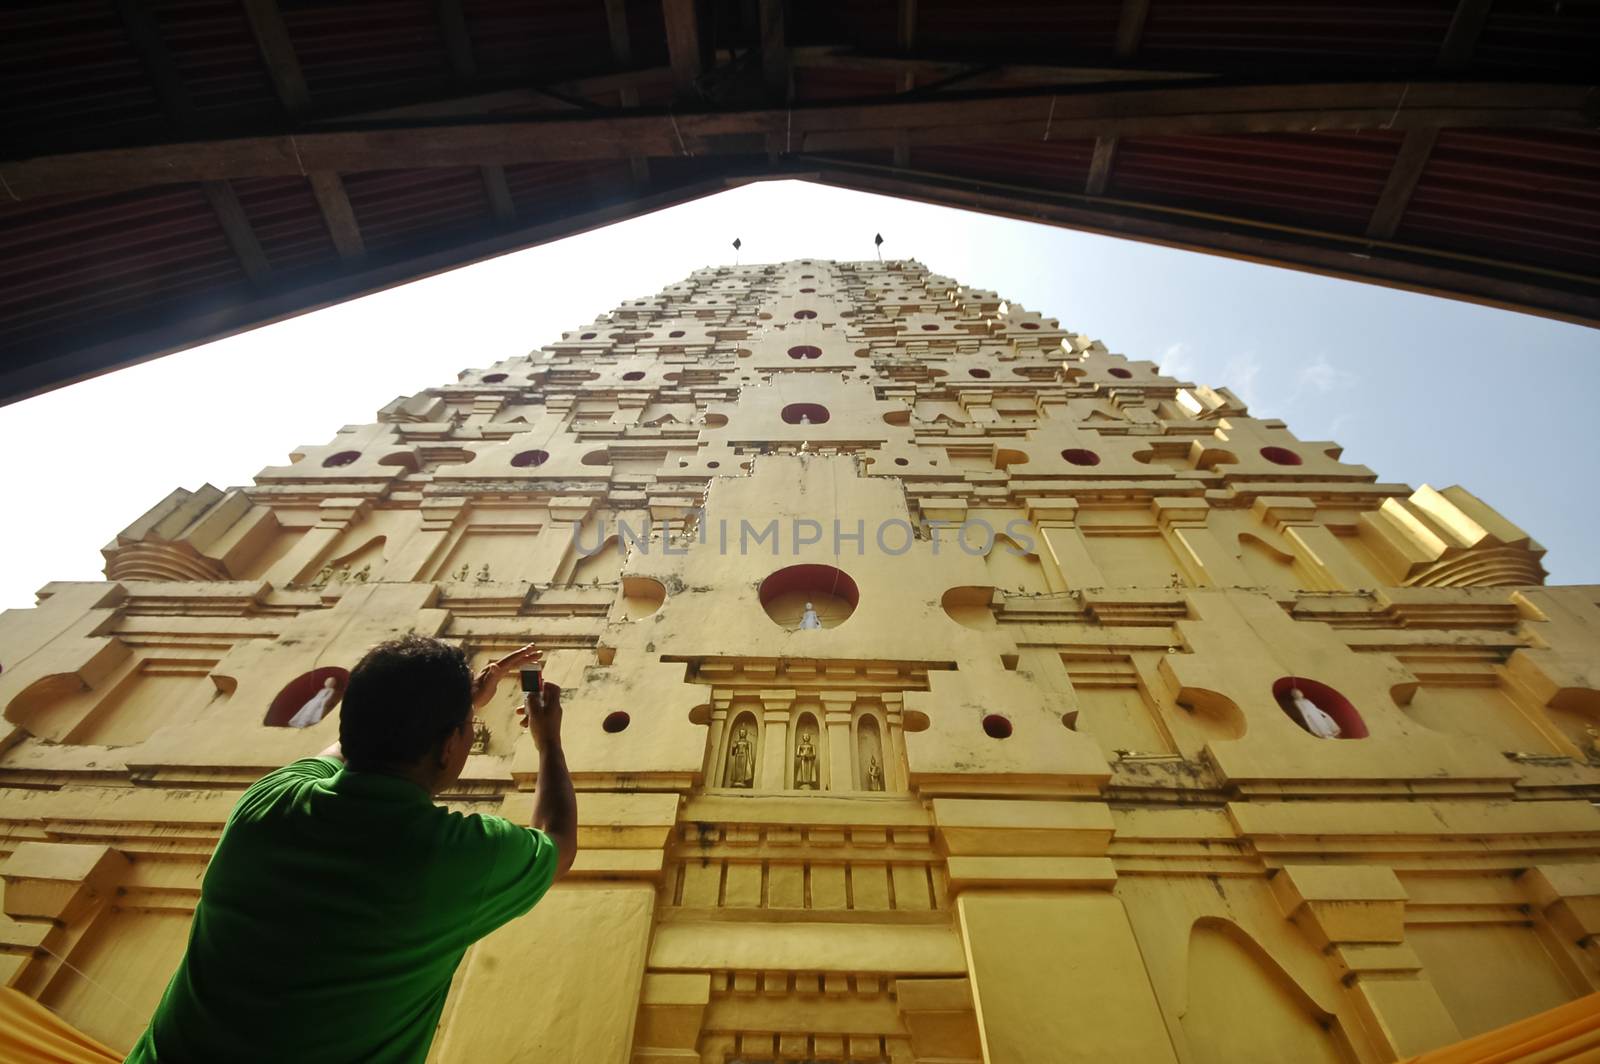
x: 877, y: 242
x: 737, y: 244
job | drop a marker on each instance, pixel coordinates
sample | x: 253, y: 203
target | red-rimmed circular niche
x: 805, y: 351
x: 1325, y: 698
x: 528, y: 459
x: 804, y: 315
x: 1280, y: 456
x: 996, y: 727
x: 300, y: 690
x: 494, y: 378
x: 343, y: 458
x: 615, y: 722
x: 1080, y: 456
x: 633, y: 375
x: 981, y: 374
x: 814, y: 413
x: 832, y: 593
x: 1119, y: 372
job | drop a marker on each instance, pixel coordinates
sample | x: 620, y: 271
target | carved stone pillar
x: 836, y: 710
x: 1356, y: 915
x: 1050, y: 950
x: 1314, y: 544
x: 773, y: 774
x: 720, y: 703
x: 894, y: 769
x: 1066, y: 559
x: 1183, y: 521
x: 333, y: 517
x: 415, y: 561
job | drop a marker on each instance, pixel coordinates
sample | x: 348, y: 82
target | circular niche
x: 615, y: 721
x: 1325, y: 698
x: 832, y: 594
x: 713, y: 465
x: 930, y: 328
x: 996, y: 727
x: 596, y: 458
x: 804, y: 315
x: 674, y: 334
x: 1280, y: 456
x: 812, y: 413
x: 1079, y: 456
x: 1030, y: 325
x: 642, y: 596
x: 494, y: 378
x: 587, y: 336
x: 529, y: 459
x: 902, y: 461
x: 807, y: 291
x: 1119, y: 372
x: 805, y: 351
x: 633, y: 375
x: 343, y: 458
x: 301, y: 690
x: 981, y: 374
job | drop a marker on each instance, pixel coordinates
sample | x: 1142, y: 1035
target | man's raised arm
x: 555, y: 806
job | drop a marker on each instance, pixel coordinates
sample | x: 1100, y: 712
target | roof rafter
x: 1071, y: 112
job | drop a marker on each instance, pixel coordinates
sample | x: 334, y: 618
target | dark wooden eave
x: 217, y: 165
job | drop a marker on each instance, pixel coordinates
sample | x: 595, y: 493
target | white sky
x: 1422, y: 390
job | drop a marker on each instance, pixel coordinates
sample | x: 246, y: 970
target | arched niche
x: 299, y: 692
x: 642, y: 596
x: 603, y: 566
x: 740, y: 762
x: 1242, y: 1007
x: 807, y: 760
x: 1325, y: 698
x: 1576, y: 711
x: 1013, y: 569
x: 1214, y: 714
x: 871, y: 768
x: 831, y: 592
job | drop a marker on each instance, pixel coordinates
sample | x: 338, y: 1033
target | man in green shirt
x: 340, y: 899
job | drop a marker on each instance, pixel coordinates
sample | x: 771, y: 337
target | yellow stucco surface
x: 1024, y: 784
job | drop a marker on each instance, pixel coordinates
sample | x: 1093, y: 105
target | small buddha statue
x: 805, y: 764
x: 462, y: 573
x: 480, y: 737
x: 874, y: 774
x: 809, y: 618
x: 483, y: 574
x: 742, y: 760
x: 363, y: 574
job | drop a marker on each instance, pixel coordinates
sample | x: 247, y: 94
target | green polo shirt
x: 332, y: 917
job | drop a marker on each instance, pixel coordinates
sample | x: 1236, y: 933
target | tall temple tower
x: 940, y: 687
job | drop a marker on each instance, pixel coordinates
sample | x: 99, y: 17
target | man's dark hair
x: 404, y: 699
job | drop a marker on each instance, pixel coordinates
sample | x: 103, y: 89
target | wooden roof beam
x: 686, y: 57
x: 1130, y: 30
x: 938, y: 120
x: 628, y: 94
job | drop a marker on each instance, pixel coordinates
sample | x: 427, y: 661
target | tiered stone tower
x: 1026, y: 781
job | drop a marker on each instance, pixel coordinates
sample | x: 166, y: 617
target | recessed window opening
x: 528, y: 459
x: 615, y: 722
x: 1080, y: 456
x: 343, y: 458
x: 996, y: 727
x: 1318, y: 709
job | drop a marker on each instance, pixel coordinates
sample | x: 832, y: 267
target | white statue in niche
x: 742, y: 760
x: 316, y: 706
x: 809, y: 618
x: 1317, y: 722
x: 805, y: 764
